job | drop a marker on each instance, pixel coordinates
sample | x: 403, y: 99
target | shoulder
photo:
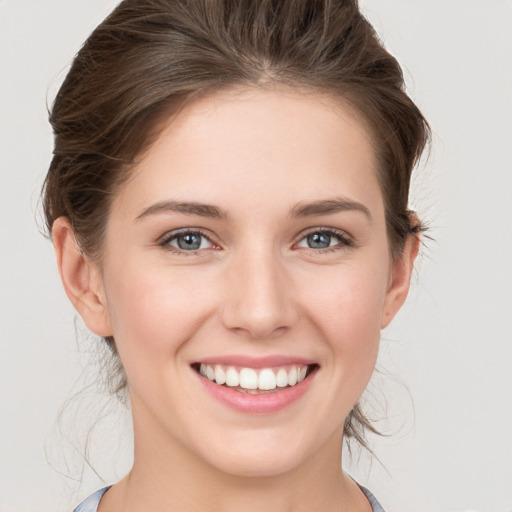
x: 91, y: 503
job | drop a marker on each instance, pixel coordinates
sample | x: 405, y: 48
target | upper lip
x: 246, y: 361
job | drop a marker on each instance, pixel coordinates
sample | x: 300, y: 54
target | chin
x: 258, y: 459
x: 257, y: 467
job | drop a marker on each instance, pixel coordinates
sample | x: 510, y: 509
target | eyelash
x: 344, y: 240
x: 169, y: 237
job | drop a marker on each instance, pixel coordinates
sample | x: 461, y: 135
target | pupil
x: 319, y: 240
x: 189, y: 241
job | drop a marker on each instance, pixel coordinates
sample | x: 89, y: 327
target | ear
x: 400, y: 280
x: 81, y: 279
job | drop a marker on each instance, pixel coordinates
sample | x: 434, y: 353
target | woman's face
x: 250, y: 240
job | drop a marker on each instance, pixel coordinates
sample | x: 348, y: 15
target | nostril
x: 259, y: 307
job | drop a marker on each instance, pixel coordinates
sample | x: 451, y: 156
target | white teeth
x: 220, y: 375
x: 267, y: 379
x: 250, y: 379
x: 210, y: 373
x: 292, y: 376
x: 282, y: 378
x: 232, y: 378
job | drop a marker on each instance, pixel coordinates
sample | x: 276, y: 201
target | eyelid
x: 165, y: 239
x: 346, y: 240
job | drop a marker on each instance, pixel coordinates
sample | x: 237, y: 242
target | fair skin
x: 271, y: 275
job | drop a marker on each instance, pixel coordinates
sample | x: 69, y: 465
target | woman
x: 228, y: 204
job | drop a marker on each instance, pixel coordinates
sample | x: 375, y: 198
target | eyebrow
x: 328, y: 207
x: 186, y: 208
x: 300, y: 210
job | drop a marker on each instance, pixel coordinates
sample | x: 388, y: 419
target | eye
x: 188, y: 241
x: 325, y: 239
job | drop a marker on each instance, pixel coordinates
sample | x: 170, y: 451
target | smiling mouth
x: 255, y: 381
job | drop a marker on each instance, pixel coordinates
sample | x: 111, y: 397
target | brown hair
x: 149, y: 57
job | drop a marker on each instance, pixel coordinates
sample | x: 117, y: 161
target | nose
x: 258, y: 300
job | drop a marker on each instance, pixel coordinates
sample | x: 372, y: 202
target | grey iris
x: 190, y: 241
x: 319, y: 240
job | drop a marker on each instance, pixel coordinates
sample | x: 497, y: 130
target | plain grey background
x: 449, y: 349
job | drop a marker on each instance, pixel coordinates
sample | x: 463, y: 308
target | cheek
x: 155, y: 311
x: 348, y: 310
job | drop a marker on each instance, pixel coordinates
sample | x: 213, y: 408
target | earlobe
x: 400, y: 280
x: 81, y: 279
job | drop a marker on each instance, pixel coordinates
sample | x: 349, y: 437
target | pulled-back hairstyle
x: 150, y: 57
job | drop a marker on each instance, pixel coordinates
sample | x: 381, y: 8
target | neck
x: 167, y: 476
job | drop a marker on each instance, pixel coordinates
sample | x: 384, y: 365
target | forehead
x: 232, y: 142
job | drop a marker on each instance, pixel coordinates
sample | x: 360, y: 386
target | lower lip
x: 257, y: 404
